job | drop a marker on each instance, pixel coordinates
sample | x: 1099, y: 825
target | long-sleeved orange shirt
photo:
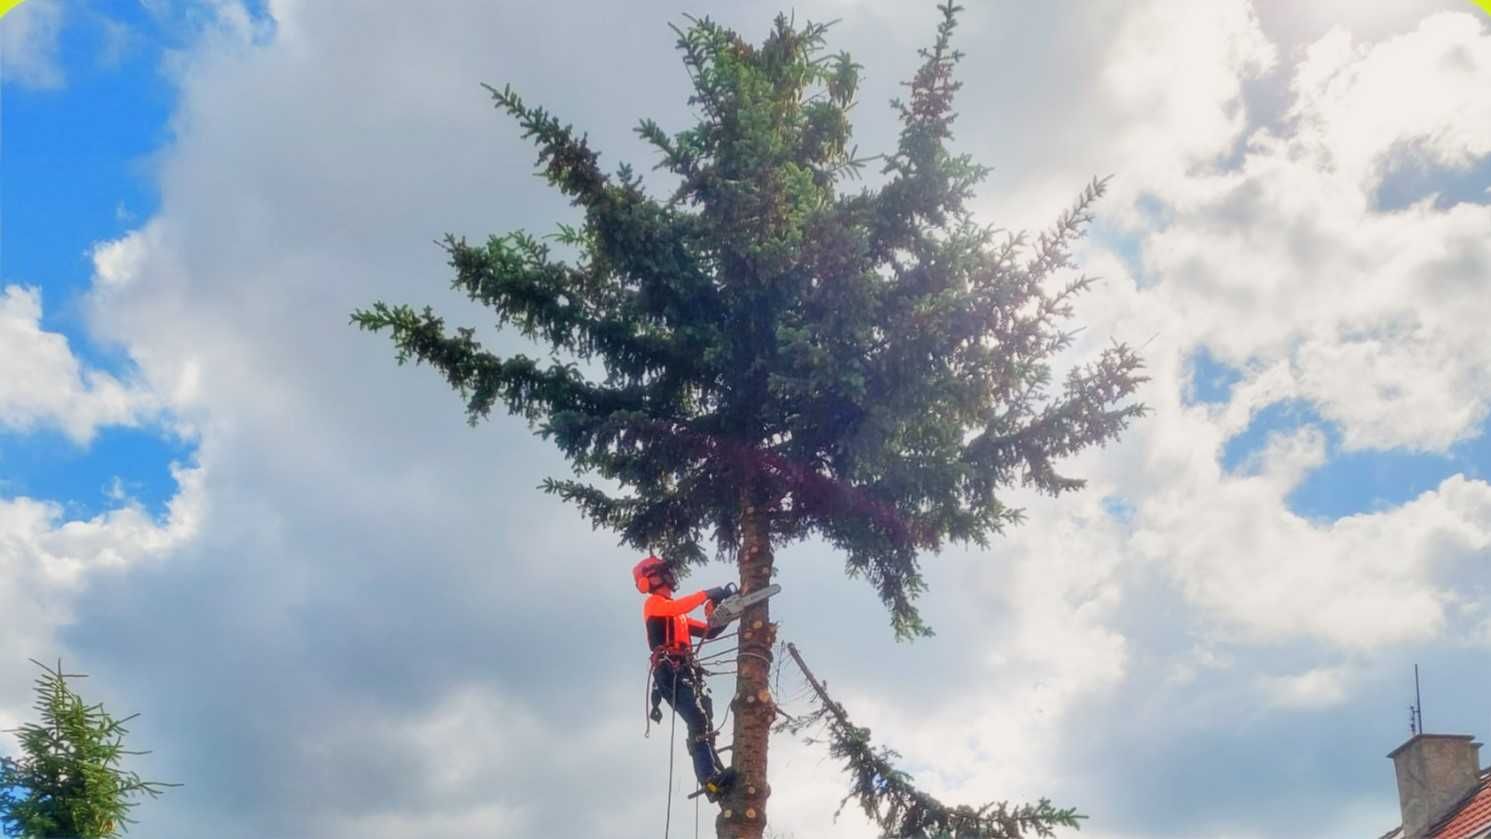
x: 668, y: 622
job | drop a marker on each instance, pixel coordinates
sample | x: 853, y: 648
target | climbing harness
x: 676, y: 663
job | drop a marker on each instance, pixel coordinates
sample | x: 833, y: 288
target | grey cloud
x: 1200, y: 760
x: 367, y: 560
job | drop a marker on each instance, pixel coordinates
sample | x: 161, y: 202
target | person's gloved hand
x: 719, y: 593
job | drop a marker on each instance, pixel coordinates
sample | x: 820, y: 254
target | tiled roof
x: 1471, y: 818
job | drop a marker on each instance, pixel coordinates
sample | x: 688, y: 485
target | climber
x: 676, y: 675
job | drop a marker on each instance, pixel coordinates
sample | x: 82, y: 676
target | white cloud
x: 46, y: 561
x: 1114, y: 104
x: 1356, y: 104
x: 1288, y: 457
x: 43, y: 384
x: 1291, y: 23
x: 1285, y: 269
x: 1259, y: 572
x: 119, y: 41
x: 29, y: 43
x: 1319, y: 688
x: 119, y: 261
x: 1360, y: 582
x: 394, y: 593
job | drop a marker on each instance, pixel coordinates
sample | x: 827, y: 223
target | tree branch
x: 900, y: 809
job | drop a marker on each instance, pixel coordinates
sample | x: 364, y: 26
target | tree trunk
x: 743, y: 809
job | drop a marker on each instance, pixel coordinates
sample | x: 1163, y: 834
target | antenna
x: 1416, y: 710
x: 1418, y: 702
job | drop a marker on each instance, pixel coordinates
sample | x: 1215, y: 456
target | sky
x: 343, y: 612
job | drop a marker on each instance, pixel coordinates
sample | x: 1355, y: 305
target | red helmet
x: 653, y: 573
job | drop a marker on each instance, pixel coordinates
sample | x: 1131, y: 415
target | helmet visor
x: 665, y: 577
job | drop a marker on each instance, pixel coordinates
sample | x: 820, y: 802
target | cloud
x: 1379, y: 331
x: 1282, y: 268
x: 119, y: 41
x: 387, y: 626
x: 1360, y: 582
x: 1317, y: 688
x: 29, y: 43
x: 43, y: 384
x: 47, y: 562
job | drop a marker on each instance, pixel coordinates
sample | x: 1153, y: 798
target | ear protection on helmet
x: 651, y: 573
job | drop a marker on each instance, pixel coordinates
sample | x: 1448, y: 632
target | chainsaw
x: 731, y: 608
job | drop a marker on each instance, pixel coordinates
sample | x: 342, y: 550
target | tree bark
x: 743, y: 809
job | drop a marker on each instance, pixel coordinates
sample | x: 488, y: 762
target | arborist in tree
x: 676, y: 674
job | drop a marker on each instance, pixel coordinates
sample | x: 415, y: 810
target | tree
x: 772, y: 358
x: 68, y: 784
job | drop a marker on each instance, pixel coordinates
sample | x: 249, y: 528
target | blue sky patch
x: 1357, y: 481
x: 1367, y: 482
x: 46, y: 465
x: 1211, y: 380
x: 1119, y: 508
x: 1278, y: 417
x: 1128, y: 246
x: 77, y: 164
x: 1473, y: 456
x: 76, y: 170
x: 1408, y: 178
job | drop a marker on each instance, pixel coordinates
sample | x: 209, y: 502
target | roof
x: 1468, y: 819
x: 1471, y: 818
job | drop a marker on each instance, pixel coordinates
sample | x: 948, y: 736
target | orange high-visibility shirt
x: 668, y: 621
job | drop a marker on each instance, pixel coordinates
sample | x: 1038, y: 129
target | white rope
x: 672, y: 747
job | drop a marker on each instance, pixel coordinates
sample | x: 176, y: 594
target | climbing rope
x: 755, y: 654
x: 721, y: 727
x: 672, y: 747
x: 727, y: 636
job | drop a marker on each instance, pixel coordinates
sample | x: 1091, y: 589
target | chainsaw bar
x: 732, y: 607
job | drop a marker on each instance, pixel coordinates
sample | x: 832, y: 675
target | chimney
x: 1435, y: 771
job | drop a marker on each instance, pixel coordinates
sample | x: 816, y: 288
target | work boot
x: 716, y: 785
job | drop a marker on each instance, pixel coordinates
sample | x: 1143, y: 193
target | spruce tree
x: 773, y: 355
x: 68, y: 783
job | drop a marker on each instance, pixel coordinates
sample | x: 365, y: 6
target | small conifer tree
x: 68, y: 783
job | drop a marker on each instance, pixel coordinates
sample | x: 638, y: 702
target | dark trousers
x: 677, y: 685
